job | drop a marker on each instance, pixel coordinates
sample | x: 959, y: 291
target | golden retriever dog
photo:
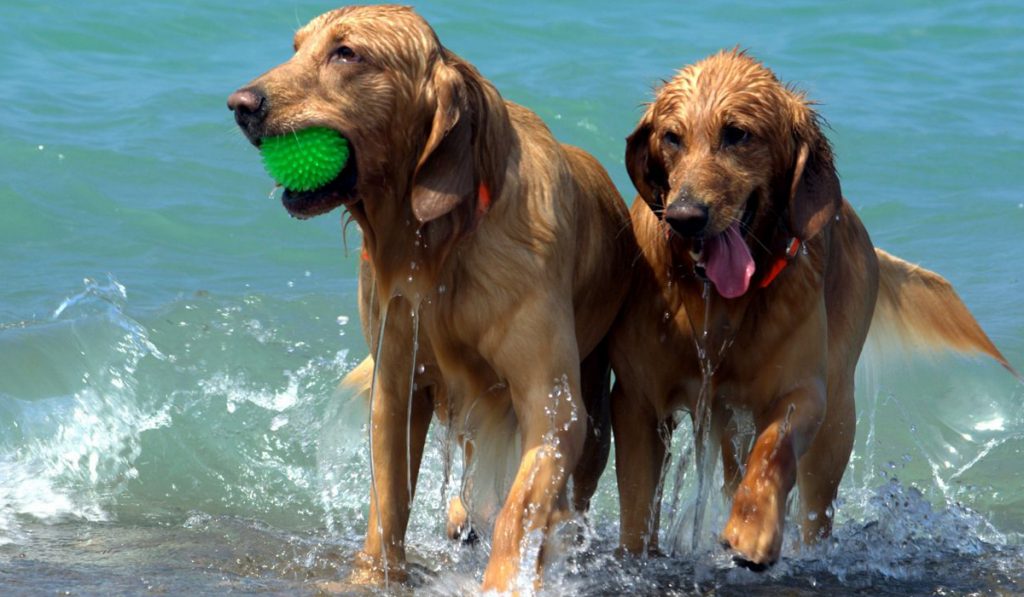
x: 755, y: 290
x: 493, y: 265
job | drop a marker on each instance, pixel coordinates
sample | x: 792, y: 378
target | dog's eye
x: 345, y: 54
x: 733, y: 135
x: 672, y: 140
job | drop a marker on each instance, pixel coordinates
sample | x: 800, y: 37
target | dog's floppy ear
x: 814, y: 194
x: 444, y: 172
x: 646, y: 171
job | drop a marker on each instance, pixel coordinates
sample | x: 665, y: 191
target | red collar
x: 780, y: 263
x: 483, y: 205
x: 483, y: 202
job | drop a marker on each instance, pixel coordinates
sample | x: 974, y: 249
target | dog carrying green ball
x: 306, y: 159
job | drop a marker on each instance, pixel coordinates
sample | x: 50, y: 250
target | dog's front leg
x: 553, y: 422
x: 397, y: 437
x: 754, y: 528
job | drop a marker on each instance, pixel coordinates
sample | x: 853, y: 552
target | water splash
x: 73, y: 453
x: 287, y: 458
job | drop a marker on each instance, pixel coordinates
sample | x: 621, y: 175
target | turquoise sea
x: 171, y: 341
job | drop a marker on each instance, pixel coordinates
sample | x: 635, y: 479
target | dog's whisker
x: 746, y: 229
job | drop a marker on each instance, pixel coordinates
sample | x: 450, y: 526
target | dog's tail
x: 924, y: 312
x: 359, y: 379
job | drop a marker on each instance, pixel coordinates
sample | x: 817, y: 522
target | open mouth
x: 339, y: 191
x: 725, y: 259
x: 743, y: 226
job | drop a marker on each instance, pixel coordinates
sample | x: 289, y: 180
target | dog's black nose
x: 249, y: 106
x: 687, y: 218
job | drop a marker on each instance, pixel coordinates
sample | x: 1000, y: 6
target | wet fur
x: 511, y: 295
x: 787, y: 352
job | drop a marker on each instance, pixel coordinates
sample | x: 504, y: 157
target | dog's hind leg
x: 821, y: 468
x: 459, y: 526
x: 595, y: 383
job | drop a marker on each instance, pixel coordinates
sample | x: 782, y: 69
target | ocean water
x: 171, y: 342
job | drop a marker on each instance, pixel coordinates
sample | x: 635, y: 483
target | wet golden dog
x: 494, y: 260
x: 758, y: 280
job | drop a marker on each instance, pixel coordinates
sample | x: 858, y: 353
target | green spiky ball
x: 306, y: 159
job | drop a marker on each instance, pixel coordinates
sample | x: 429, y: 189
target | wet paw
x: 754, y: 531
x: 651, y: 552
x: 459, y: 528
x: 367, y: 570
x: 742, y: 562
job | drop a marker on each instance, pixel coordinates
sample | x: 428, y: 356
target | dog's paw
x: 459, y: 527
x: 623, y: 553
x: 754, y: 530
x: 368, y: 571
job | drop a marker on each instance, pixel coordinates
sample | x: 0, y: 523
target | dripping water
x: 702, y: 422
x: 446, y: 453
x: 412, y: 390
x: 373, y: 475
x: 674, y: 511
x: 704, y: 455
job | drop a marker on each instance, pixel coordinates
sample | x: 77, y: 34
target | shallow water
x: 171, y: 342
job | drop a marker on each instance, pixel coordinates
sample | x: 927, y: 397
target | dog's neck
x: 714, y: 319
x: 410, y: 258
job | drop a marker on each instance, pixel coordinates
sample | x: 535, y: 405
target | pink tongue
x: 728, y: 262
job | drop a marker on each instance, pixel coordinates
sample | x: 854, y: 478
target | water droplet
x: 42, y: 147
x: 812, y: 516
x: 342, y: 319
x: 803, y: 249
x: 442, y: 289
x: 291, y: 284
x: 421, y: 369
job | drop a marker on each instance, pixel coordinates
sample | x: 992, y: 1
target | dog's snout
x: 687, y: 218
x: 249, y: 106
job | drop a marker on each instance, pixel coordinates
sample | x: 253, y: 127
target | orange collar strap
x: 483, y: 201
x: 780, y: 263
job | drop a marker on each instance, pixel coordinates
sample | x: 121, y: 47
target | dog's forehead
x: 725, y: 88
x: 397, y: 25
